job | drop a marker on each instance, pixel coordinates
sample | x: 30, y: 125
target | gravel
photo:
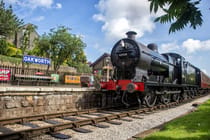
x: 128, y: 129
x: 17, y: 127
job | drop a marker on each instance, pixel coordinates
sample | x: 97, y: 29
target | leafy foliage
x: 12, y: 60
x: 64, y: 45
x: 9, y: 22
x: 42, y: 46
x: 3, y: 46
x: 14, y: 52
x: 9, y: 49
x: 180, y: 12
x: 83, y: 68
x: 61, y: 47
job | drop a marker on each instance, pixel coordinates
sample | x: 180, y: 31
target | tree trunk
x: 47, y: 71
x: 23, y: 67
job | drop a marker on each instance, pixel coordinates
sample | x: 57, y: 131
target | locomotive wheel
x: 184, y: 96
x: 175, y: 97
x: 116, y: 100
x: 150, y: 99
x: 165, y: 98
x: 191, y: 94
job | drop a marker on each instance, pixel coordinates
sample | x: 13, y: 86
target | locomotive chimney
x: 153, y: 47
x: 131, y: 35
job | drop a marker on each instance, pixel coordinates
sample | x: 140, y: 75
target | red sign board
x: 4, y: 75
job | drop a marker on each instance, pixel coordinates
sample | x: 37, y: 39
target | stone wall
x: 22, y: 101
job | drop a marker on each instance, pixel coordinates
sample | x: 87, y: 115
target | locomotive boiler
x: 142, y: 75
x: 136, y: 61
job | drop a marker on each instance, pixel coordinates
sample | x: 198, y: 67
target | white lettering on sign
x: 2, y: 71
x: 38, y: 60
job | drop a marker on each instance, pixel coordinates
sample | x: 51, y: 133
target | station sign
x: 5, y: 74
x: 36, y: 60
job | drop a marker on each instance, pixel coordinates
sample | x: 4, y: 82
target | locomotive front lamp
x: 107, y: 63
x: 122, y: 44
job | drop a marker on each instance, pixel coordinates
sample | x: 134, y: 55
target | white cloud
x: 58, y: 6
x: 41, y: 3
x: 32, y: 4
x: 40, y: 18
x: 188, y: 46
x: 120, y: 16
x: 11, y: 1
x: 168, y: 47
x: 192, y: 45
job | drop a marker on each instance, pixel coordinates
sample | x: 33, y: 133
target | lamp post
x: 107, y: 63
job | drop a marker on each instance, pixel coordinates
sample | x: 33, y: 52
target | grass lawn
x: 194, y: 126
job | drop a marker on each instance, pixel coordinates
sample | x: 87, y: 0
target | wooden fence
x: 7, y: 73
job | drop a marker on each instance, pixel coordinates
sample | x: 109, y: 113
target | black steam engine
x: 142, y: 75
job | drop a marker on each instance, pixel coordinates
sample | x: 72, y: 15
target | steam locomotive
x: 144, y: 76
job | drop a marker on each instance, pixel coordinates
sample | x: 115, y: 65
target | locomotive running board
x: 156, y: 84
x: 168, y: 92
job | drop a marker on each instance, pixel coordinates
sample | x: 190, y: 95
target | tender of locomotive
x: 142, y: 75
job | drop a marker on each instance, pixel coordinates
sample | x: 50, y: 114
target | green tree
x: 64, y: 46
x: 14, y: 52
x: 61, y: 47
x: 79, y: 61
x: 3, y: 46
x: 178, y: 12
x: 42, y: 47
x: 9, y: 22
x: 78, y: 56
x: 8, y: 49
x: 83, y: 68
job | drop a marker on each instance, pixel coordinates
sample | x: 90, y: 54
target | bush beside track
x: 194, y: 126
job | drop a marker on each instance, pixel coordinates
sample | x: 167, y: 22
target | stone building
x: 17, y: 37
x: 103, y: 66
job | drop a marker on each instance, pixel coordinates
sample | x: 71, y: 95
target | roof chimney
x: 131, y: 35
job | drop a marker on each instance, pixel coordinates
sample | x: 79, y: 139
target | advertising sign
x: 35, y: 59
x: 4, y: 75
x: 55, y: 78
x: 69, y: 79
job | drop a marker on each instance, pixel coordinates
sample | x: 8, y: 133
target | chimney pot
x: 131, y: 35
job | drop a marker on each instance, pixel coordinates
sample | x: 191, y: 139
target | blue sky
x: 102, y: 22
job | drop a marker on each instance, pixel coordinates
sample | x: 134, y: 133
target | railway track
x: 56, y: 122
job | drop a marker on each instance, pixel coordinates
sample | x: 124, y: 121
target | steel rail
x: 32, y: 132
x: 25, y: 119
x: 28, y: 133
